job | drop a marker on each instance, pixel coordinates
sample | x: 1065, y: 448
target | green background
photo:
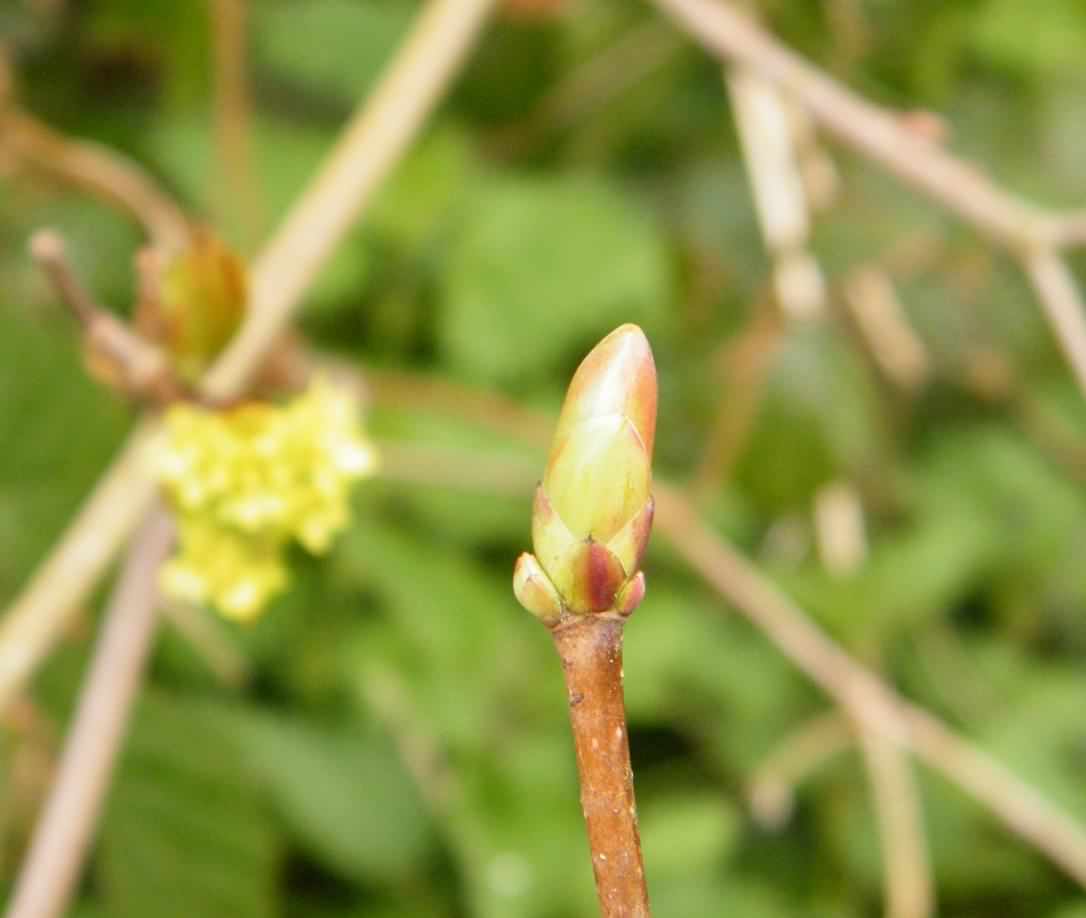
x: 401, y: 748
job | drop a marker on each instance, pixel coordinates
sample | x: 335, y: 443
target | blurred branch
x: 377, y: 136
x: 65, y: 829
x: 400, y: 389
x: 39, y: 614
x: 866, y: 699
x: 116, y: 353
x: 103, y: 172
x: 1030, y: 233
x: 881, y: 321
x: 906, y: 865
x: 1055, y: 288
x: 772, y: 789
x: 769, y: 134
x: 467, y: 469
x: 210, y: 640
x: 876, y: 133
x: 744, y: 366
x: 769, y: 151
x: 632, y: 58
x: 233, y: 118
x: 373, y: 142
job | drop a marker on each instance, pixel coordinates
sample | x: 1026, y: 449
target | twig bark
x: 53, y: 863
x: 590, y: 648
x: 363, y: 157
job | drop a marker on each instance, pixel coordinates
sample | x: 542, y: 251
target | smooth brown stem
x: 591, y: 651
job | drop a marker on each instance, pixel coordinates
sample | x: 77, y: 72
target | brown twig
x: 103, y: 172
x: 115, y: 352
x: 233, y: 117
x: 590, y: 648
x: 51, y: 869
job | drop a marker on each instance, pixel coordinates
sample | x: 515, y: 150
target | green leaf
x: 335, y: 47
x: 817, y: 420
x: 687, y: 834
x: 187, y: 830
x: 1026, y: 39
x: 58, y: 429
x: 344, y: 796
x: 544, y: 266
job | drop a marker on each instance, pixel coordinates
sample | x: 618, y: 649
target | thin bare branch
x: 371, y: 145
x: 878, y: 134
x: 906, y: 864
x: 210, y: 640
x: 881, y: 321
x: 1055, y: 288
x: 35, y: 621
x: 103, y: 172
x: 632, y: 58
x: 1032, y: 234
x: 54, y: 860
x: 116, y: 353
x: 868, y: 700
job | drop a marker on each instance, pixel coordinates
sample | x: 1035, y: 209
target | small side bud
x: 192, y: 304
x: 534, y: 590
x: 630, y: 596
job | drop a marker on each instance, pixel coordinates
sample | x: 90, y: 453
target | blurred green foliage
x: 401, y: 748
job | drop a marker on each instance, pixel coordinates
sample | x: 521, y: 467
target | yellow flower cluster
x: 246, y: 482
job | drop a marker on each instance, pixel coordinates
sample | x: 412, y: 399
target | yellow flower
x: 246, y: 482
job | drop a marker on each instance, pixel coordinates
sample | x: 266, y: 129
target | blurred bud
x: 192, y: 303
x: 593, y: 511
